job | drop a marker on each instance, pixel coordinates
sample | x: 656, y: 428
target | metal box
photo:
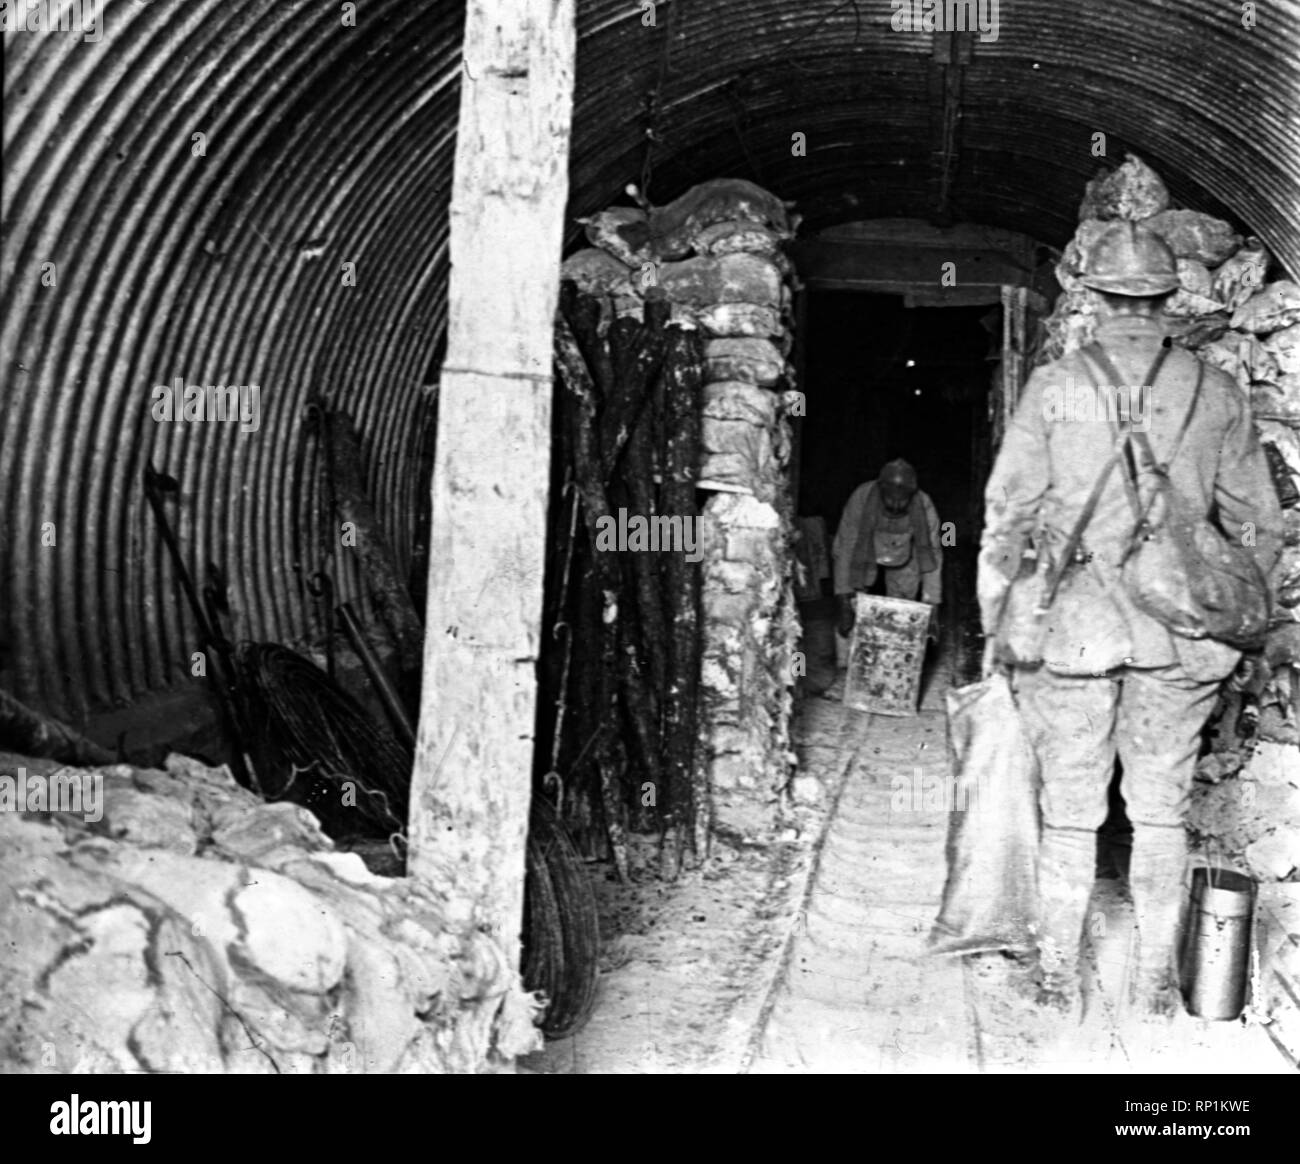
x: 886, y: 654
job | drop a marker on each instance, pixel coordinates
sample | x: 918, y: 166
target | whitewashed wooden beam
x: 472, y: 783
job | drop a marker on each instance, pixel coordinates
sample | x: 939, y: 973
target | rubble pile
x: 185, y: 925
x: 1252, y: 811
x: 715, y: 254
x: 1227, y: 310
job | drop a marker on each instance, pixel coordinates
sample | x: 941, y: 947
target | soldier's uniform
x: 905, y: 581
x: 1114, y: 680
x: 908, y: 540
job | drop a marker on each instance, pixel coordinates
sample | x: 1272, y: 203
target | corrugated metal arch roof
x: 328, y: 144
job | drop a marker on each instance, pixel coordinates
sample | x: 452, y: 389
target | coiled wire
x: 312, y: 743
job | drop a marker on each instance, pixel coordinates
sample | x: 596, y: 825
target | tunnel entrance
x: 885, y: 379
x: 916, y: 342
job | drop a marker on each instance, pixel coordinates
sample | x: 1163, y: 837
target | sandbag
x: 622, y: 231
x: 597, y: 272
x: 751, y: 361
x: 990, y: 898
x: 1270, y: 309
x: 1075, y: 255
x: 1071, y: 326
x: 631, y: 306
x: 740, y: 400
x: 1133, y: 191
x: 704, y: 281
x: 674, y: 228
x: 1196, y: 278
x: 735, y: 452
x: 1284, y: 347
x: 1242, y: 356
x: 1285, y: 577
x: 1242, y: 275
x: 1291, y: 527
x: 724, y: 238
x: 1185, y: 304
x: 1195, y: 331
x: 1193, y: 235
x: 740, y: 319
x: 1278, y: 399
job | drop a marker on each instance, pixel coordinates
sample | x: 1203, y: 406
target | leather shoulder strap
x: 1076, y: 534
x: 1096, y: 363
x: 1144, y: 443
x: 1095, y: 355
x: 1081, y: 523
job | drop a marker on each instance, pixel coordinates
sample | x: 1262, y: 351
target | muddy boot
x: 1156, y: 883
x: 1067, y: 864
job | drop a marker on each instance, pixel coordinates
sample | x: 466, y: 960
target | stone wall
x: 195, y: 928
x: 716, y: 254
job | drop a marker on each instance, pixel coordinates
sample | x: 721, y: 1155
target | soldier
x: 1114, y: 679
x: 890, y: 525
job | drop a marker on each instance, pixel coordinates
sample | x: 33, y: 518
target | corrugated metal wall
x: 328, y: 144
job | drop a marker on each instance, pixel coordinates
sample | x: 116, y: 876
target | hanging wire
x: 653, y: 98
x: 735, y: 107
x: 302, y: 723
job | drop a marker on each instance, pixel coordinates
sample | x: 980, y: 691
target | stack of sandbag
x: 1217, y: 272
x: 1253, y: 814
x: 715, y: 254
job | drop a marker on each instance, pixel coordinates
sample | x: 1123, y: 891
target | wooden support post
x: 472, y: 783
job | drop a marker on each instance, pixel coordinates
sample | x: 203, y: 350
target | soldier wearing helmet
x: 1113, y: 680
x: 888, y: 526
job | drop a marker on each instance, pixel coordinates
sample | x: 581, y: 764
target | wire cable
x: 315, y: 745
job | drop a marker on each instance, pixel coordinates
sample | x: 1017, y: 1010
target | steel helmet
x: 1130, y: 259
x: 899, y: 474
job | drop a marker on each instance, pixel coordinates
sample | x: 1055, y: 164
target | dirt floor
x: 808, y: 955
x: 687, y: 968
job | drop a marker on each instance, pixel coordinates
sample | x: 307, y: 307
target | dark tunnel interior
x: 884, y: 380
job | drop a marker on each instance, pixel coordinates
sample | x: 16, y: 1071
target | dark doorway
x: 885, y: 380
